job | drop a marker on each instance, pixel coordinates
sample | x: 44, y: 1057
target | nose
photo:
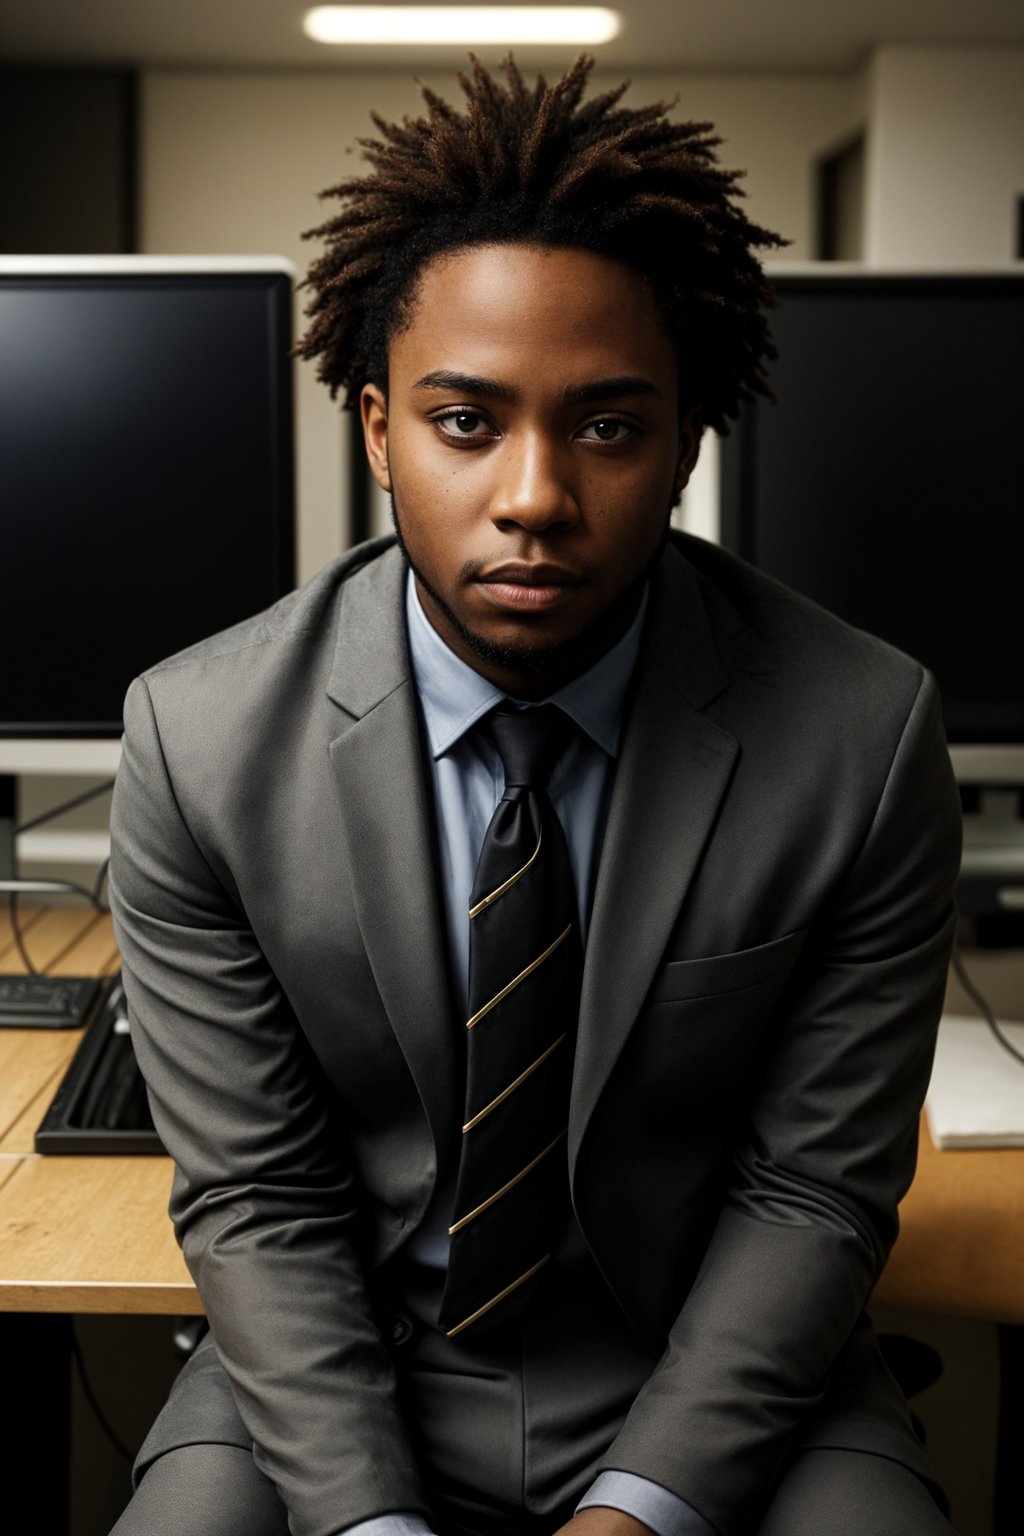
x: 534, y: 489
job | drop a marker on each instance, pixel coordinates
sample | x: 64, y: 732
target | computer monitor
x: 146, y: 471
x: 146, y: 484
x: 887, y: 482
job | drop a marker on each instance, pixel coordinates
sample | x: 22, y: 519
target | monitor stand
x: 991, y: 885
x: 8, y: 815
x: 35, y: 1001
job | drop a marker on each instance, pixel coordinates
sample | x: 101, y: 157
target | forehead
x: 535, y: 314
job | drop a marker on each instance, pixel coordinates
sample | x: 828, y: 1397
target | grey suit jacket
x: 764, y: 975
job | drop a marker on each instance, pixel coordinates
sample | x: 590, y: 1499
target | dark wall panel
x: 67, y: 172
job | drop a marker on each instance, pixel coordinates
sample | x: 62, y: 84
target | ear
x: 373, y: 411
x: 691, y: 430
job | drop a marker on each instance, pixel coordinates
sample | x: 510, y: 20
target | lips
x: 522, y: 573
x: 519, y: 587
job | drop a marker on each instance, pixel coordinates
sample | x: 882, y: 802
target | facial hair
x: 525, y: 660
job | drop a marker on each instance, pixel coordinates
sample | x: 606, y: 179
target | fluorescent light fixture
x: 433, y: 24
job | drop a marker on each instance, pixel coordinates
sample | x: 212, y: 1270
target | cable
x: 14, y: 888
x: 982, y: 1003
x: 101, y: 876
x: 19, y: 938
x: 68, y: 805
x: 53, y: 887
x: 90, y: 1398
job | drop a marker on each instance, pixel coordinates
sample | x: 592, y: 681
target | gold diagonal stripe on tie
x: 500, y: 1297
x: 488, y: 901
x: 485, y: 1204
x: 521, y: 977
x: 503, y: 1095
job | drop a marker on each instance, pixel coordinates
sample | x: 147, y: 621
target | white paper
x: 976, y: 1094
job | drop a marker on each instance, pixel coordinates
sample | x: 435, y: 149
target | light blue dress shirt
x: 468, y: 781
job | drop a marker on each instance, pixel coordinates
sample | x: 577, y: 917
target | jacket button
x: 401, y: 1329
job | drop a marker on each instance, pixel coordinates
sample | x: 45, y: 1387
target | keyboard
x: 46, y: 1002
x: 101, y: 1104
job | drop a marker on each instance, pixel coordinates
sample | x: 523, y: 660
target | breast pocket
x: 697, y: 1043
x: 715, y: 975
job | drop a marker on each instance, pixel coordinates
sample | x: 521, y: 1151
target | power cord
x: 982, y: 1004
x: 65, y: 806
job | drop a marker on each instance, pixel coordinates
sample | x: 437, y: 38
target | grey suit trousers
x: 509, y: 1438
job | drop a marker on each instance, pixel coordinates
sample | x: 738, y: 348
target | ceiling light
x: 428, y: 24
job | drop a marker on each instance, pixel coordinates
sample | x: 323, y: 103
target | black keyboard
x: 46, y: 1002
x: 101, y: 1103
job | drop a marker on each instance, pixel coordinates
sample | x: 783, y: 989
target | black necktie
x: 525, y: 968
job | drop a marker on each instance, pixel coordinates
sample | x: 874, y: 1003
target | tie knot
x: 529, y: 742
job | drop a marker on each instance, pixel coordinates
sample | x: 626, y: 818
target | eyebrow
x: 467, y: 384
x: 573, y: 394
x: 608, y: 389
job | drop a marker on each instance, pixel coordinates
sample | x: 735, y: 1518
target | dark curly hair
x: 541, y: 166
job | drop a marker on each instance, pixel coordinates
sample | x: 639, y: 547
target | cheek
x: 434, y: 493
x: 629, y: 526
x: 643, y: 485
x: 435, y: 526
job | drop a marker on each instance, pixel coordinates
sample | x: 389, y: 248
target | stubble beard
x: 526, y: 660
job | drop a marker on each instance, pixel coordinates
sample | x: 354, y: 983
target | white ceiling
x: 658, y: 35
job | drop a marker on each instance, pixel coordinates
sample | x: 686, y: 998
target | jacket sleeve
x: 828, y: 1150
x: 264, y: 1201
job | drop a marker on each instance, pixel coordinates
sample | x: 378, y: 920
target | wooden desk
x: 77, y: 1234
x: 961, y: 1246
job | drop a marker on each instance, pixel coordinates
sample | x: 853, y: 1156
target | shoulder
x: 270, y: 675
x: 820, y: 710
x: 835, y: 730
x: 767, y: 635
x: 309, y: 611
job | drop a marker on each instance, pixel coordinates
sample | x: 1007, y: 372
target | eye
x: 607, y: 429
x: 463, y: 424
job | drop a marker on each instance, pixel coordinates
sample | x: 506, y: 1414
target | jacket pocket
x: 713, y: 975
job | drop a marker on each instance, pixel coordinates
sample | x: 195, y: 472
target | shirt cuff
x: 666, y: 1513
x: 405, y: 1523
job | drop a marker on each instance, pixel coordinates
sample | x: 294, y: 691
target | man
x: 542, y: 855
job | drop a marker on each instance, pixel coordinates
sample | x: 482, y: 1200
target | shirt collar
x: 454, y: 696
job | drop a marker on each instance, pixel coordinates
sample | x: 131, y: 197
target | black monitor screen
x: 887, y: 483
x: 146, y: 479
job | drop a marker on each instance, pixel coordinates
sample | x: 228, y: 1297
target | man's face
x: 532, y: 443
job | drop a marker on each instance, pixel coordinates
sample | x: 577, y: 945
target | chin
x: 517, y: 655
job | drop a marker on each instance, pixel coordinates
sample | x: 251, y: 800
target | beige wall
x: 945, y: 155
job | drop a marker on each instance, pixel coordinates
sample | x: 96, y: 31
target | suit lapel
x: 672, y: 773
x: 379, y: 775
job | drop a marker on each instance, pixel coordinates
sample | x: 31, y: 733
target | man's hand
x: 602, y: 1521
